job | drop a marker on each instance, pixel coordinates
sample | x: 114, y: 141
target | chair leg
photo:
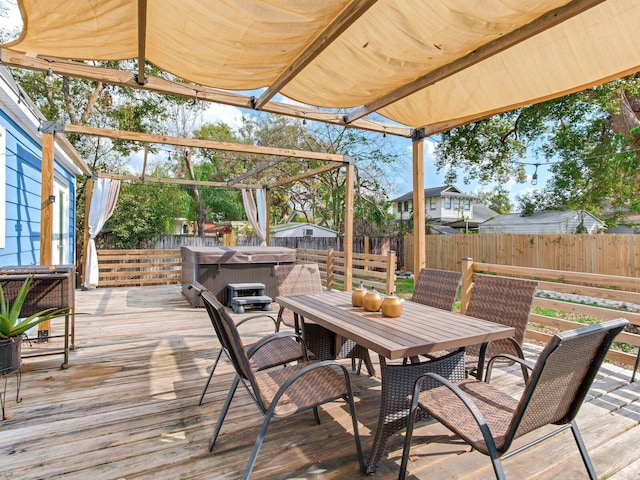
x: 356, y: 432
x: 316, y: 415
x: 257, y: 445
x: 497, y: 467
x: 413, y: 412
x: 223, y: 412
x: 583, y: 451
x: 213, y: 369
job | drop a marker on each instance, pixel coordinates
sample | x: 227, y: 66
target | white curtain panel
x: 103, y: 204
x: 257, y: 215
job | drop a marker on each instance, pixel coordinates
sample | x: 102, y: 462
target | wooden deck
x: 127, y: 409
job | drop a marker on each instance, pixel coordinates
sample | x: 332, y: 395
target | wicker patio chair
x: 304, y: 279
x: 278, y: 392
x: 490, y: 420
x: 280, y: 352
x: 436, y: 288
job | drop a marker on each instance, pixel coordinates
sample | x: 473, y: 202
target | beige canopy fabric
x: 421, y: 63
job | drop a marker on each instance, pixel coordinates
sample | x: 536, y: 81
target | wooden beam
x: 202, y: 93
x: 257, y: 169
x: 144, y: 161
x: 85, y: 237
x: 46, y: 208
x: 348, y: 227
x: 75, y: 157
x: 177, y: 181
x: 344, y: 20
x: 142, y: 40
x: 268, y: 222
x: 197, y: 143
x: 310, y: 173
x: 419, y: 224
x: 544, y: 22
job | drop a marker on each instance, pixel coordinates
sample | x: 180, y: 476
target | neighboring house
x: 630, y: 225
x: 296, y: 229
x: 566, y: 221
x: 445, y: 205
x: 20, y: 184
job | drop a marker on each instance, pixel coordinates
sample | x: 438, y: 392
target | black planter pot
x: 10, y: 355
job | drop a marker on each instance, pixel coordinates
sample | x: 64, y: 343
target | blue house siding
x: 23, y: 197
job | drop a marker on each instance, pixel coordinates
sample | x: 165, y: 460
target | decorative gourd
x: 372, y: 301
x: 357, y: 296
x: 392, y: 306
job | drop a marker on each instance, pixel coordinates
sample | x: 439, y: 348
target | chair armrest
x: 525, y: 365
x: 253, y: 317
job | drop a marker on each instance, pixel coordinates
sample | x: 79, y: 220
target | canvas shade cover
x: 249, y: 44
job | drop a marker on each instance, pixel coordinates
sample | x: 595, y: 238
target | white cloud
x: 232, y: 116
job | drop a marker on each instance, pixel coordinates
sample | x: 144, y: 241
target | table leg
x: 397, y: 386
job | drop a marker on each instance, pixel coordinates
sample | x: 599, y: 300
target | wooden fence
x: 563, y: 298
x: 604, y: 254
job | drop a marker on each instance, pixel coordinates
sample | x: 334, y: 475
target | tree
x: 144, y: 211
x: 589, y: 140
x: 497, y: 200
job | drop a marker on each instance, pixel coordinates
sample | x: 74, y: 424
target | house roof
x: 292, y: 225
x: 445, y: 230
x: 464, y: 60
x: 434, y: 192
x: 540, y: 218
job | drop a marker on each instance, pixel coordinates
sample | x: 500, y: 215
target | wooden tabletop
x: 419, y: 330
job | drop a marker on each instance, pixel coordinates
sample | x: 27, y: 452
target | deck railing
x: 159, y: 267
x: 119, y: 268
x: 566, y: 300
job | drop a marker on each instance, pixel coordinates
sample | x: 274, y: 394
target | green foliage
x: 497, y: 200
x: 589, y: 141
x: 145, y: 211
x: 11, y: 323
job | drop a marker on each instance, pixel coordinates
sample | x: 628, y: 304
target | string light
x: 49, y: 80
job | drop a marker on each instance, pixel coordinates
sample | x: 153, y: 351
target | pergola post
x: 267, y: 235
x: 85, y: 238
x: 419, y: 226
x: 46, y: 212
x: 348, y: 227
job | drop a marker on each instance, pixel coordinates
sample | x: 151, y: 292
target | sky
x: 403, y: 182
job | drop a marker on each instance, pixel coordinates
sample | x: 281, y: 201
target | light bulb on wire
x: 48, y: 80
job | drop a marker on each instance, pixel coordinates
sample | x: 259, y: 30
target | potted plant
x: 13, y: 326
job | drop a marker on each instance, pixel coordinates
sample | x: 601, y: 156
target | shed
x: 21, y: 183
x: 566, y: 221
x: 296, y: 229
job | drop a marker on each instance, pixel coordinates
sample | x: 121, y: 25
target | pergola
x: 425, y: 65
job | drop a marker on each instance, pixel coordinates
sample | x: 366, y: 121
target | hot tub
x: 216, y: 267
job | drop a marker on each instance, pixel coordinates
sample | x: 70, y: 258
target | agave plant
x: 11, y: 324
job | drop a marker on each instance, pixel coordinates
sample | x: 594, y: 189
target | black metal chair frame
x: 199, y: 288
x: 245, y: 375
x: 607, y: 332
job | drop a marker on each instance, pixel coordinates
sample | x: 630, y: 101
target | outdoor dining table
x: 419, y: 330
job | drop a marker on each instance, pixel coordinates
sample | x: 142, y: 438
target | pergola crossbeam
x: 310, y: 173
x: 179, y: 181
x: 202, y: 93
x: 256, y: 170
x: 142, y: 40
x: 198, y: 143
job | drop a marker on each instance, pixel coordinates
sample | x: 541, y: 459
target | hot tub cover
x: 244, y: 255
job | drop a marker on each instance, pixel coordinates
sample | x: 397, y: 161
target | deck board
x: 127, y: 408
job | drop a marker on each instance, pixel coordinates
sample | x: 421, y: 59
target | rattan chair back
x: 502, y: 300
x: 299, y: 279
x: 436, y: 288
